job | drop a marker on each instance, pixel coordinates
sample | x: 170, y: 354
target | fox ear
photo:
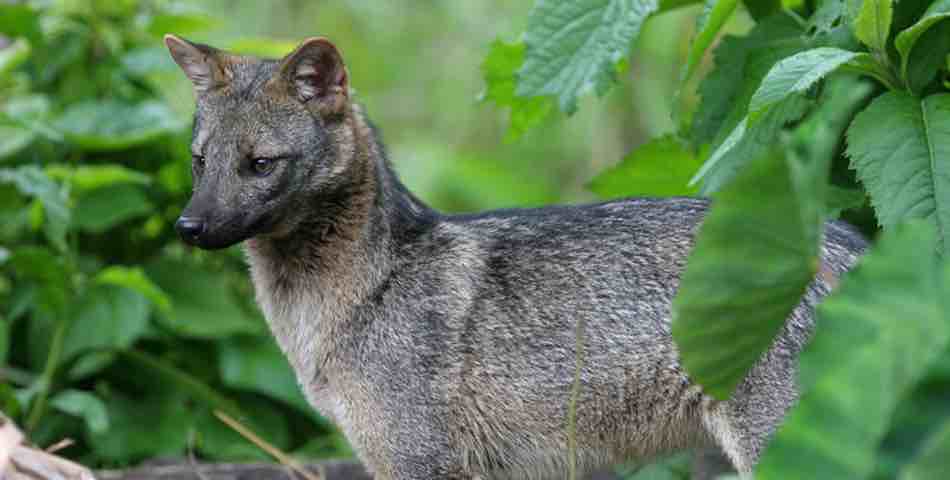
x: 316, y: 72
x: 199, y: 62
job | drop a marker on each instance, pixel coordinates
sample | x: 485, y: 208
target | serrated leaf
x: 31, y: 181
x: 113, y: 125
x: 85, y: 405
x: 708, y: 24
x: 873, y: 23
x: 896, y: 146
x: 101, y: 209
x: 861, y: 362
x: 205, y: 307
x: 905, y: 41
x: 660, y: 168
x: 746, y: 143
x: 740, y: 65
x: 90, y: 177
x: 925, y: 63
x: 933, y: 461
x: 796, y: 74
x: 134, y: 279
x: 573, y: 46
x: 500, y: 70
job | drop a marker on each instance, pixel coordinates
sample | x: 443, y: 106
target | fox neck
x: 309, y: 281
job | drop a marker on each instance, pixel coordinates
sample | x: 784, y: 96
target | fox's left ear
x: 315, y: 72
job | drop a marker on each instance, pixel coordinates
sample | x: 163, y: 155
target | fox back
x: 444, y: 346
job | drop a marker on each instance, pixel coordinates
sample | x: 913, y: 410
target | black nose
x: 190, y: 228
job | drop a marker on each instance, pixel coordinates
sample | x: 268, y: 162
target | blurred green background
x: 116, y: 335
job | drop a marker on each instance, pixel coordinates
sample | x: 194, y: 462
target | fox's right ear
x: 199, y: 62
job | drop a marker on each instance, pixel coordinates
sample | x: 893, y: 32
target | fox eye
x: 263, y: 166
x: 198, y: 162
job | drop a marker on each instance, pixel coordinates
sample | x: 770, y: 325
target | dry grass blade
x: 271, y: 450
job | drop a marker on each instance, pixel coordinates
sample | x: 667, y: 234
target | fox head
x: 269, y: 138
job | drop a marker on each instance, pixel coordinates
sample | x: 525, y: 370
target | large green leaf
x: 500, y: 72
x: 31, y: 181
x: 105, y: 317
x: 905, y: 41
x: 796, y: 74
x: 660, y: 168
x: 573, y: 46
x: 934, y: 459
x: 113, y: 125
x: 863, y: 360
x: 896, y: 146
x: 103, y: 208
x: 757, y: 250
x: 205, y: 306
x: 85, y: 405
x: 708, y: 24
x: 257, y: 364
x: 873, y: 24
x: 747, y: 272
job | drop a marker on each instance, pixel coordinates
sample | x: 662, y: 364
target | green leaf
x: 746, y: 273
x: 500, y: 72
x: 796, y: 74
x: 905, y: 41
x: 113, y: 125
x: 90, y: 177
x: 757, y: 250
x: 31, y: 181
x: 573, y: 46
x: 660, y: 168
x: 827, y: 16
x: 105, y: 317
x: 861, y: 361
x: 257, y: 364
x: 841, y: 199
x: 925, y: 63
x: 134, y: 278
x: 205, y: 306
x: 708, y: 24
x: 84, y: 405
x: 741, y: 64
x: 142, y: 428
x: 13, y: 55
x: 873, y: 24
x: 746, y: 143
x: 896, y: 146
x: 933, y: 461
x: 13, y: 139
x: 101, y: 209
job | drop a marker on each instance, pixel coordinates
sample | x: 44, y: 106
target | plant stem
x: 46, y: 378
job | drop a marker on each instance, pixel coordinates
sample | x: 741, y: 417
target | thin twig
x: 271, y: 450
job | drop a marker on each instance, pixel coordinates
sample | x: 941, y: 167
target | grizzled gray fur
x: 443, y: 346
